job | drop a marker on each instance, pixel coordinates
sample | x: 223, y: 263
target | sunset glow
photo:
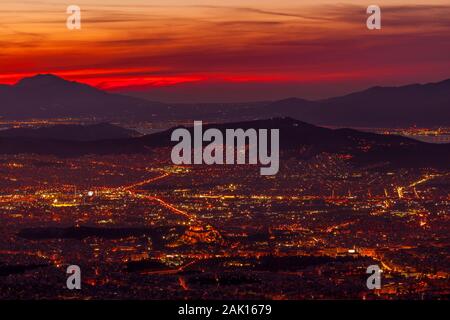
x: 148, y: 44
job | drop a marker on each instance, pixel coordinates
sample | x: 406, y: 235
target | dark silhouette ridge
x: 297, y: 139
x: 48, y: 96
x: 417, y: 104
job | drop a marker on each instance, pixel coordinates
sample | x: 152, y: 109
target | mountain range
x: 297, y: 139
x: 47, y: 96
x: 417, y: 104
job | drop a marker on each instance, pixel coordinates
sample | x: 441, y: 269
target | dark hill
x: 297, y: 139
x: 418, y: 104
x: 48, y: 96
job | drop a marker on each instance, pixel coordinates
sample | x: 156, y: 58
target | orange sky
x: 150, y: 44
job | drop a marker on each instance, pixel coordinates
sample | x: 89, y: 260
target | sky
x: 228, y: 50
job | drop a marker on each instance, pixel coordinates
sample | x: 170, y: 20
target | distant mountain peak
x: 43, y: 80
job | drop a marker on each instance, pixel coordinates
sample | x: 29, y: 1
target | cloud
x: 230, y: 43
x: 393, y: 16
